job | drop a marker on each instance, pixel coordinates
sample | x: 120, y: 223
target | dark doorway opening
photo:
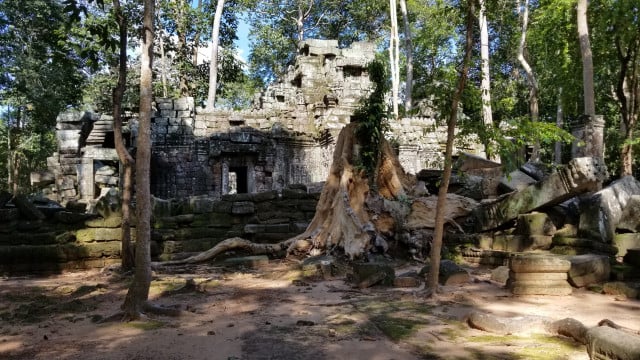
x: 241, y: 184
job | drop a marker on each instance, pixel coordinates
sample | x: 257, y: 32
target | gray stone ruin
x: 286, y: 138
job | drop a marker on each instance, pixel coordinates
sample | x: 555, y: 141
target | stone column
x: 86, y: 186
x: 589, y: 134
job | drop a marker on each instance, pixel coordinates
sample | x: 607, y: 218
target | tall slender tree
x: 485, y: 85
x: 136, y: 299
x: 533, y: 82
x: 408, y: 49
x: 123, y: 154
x: 213, y: 67
x: 394, y: 56
x: 436, y: 245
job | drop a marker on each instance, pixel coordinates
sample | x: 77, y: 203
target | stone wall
x: 64, y: 240
x: 287, y: 137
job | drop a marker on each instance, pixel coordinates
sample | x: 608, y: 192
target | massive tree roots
x: 351, y: 215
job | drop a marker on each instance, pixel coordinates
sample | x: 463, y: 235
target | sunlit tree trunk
x: 139, y: 289
x: 533, y: 83
x: 408, y: 45
x: 394, y: 56
x: 485, y: 85
x: 587, y: 59
x: 213, y: 67
x: 557, y: 158
x: 436, y: 246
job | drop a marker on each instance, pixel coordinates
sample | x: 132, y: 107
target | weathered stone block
x: 27, y: 208
x: 376, y: 272
x: 535, y: 223
x: 601, y: 212
x: 8, y: 215
x: 243, y: 208
x: 530, y: 262
x: 589, y: 269
x: 607, y: 343
x: 621, y: 288
x: 452, y: 274
x: 110, y: 222
x: 500, y: 274
x: 626, y: 241
x: 265, y: 196
x: 516, y: 181
x: 630, y: 218
x: 100, y: 234
x: 580, y: 175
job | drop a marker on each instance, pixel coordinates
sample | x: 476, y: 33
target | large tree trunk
x: 628, y: 97
x: 213, y: 67
x: 485, y: 85
x: 138, y: 293
x: 436, y: 246
x: 394, y: 56
x: 587, y: 59
x: 125, y: 158
x: 408, y: 48
x: 533, y: 83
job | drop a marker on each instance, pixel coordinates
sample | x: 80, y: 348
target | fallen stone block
x: 589, y: 269
x: 630, y: 218
x: 372, y: 273
x: 626, y: 241
x: 500, y: 274
x: 602, y: 211
x: 452, y: 274
x: 621, y: 288
x: 579, y: 176
x: 515, y: 181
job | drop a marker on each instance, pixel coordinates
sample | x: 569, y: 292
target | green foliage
x: 372, y: 118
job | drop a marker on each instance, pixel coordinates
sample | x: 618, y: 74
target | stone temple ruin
x: 257, y: 174
x: 286, y: 138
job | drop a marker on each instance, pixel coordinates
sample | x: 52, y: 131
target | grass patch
x: 397, y: 328
x: 145, y: 325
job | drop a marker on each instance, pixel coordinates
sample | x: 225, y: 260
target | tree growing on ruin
x: 352, y: 213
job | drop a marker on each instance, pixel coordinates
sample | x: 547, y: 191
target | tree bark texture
x: 394, y: 56
x: 349, y: 214
x: 533, y: 83
x: 587, y: 59
x: 485, y: 85
x: 138, y: 293
x: 213, y: 67
x: 436, y: 246
x: 628, y: 97
x: 408, y: 49
x: 125, y: 158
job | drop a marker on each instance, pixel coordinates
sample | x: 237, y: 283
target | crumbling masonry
x: 286, y: 138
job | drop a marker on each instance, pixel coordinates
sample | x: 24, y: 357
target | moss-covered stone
x: 110, y: 222
x: 100, y: 234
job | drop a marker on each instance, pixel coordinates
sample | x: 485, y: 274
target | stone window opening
x: 236, y: 122
x: 238, y: 180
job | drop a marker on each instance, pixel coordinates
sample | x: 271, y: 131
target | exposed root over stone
x: 568, y: 327
x: 349, y: 215
x: 148, y: 309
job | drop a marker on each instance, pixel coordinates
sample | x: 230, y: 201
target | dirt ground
x: 275, y: 313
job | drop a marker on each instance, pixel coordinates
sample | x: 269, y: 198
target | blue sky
x: 243, y: 39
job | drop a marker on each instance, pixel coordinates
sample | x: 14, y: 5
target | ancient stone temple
x: 286, y: 138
